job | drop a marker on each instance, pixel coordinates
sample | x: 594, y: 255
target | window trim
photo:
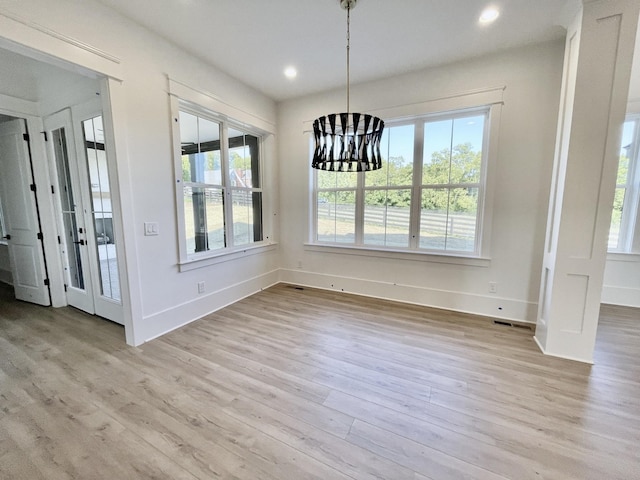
x: 630, y: 257
x: 187, y: 261
x: 491, y: 100
x: 399, y: 254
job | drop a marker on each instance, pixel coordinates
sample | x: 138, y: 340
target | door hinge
x: 40, y: 237
x: 46, y: 137
x: 46, y: 282
x: 65, y: 287
x: 25, y: 137
x: 59, y: 241
x: 53, y: 190
x: 32, y: 187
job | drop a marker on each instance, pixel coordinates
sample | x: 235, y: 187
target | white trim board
x: 41, y: 43
x: 623, y: 296
x: 485, y: 305
x: 214, y: 103
x: 161, y: 323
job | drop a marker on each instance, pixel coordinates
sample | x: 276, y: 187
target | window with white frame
x: 221, y: 187
x: 427, y: 197
x: 623, y: 233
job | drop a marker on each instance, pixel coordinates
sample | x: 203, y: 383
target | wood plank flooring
x: 308, y: 384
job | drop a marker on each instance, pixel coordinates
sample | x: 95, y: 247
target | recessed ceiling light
x: 290, y: 73
x: 489, y: 15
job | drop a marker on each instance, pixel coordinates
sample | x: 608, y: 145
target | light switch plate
x: 151, y: 228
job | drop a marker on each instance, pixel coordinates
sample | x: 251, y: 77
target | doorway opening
x: 71, y: 159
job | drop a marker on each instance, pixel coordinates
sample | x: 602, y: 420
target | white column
x: 598, y: 57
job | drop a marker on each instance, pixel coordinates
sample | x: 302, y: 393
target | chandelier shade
x: 347, y: 142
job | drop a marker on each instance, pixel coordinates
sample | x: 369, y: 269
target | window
x: 221, y: 194
x: 427, y: 197
x: 627, y: 194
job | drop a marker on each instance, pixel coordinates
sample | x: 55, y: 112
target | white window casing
x: 487, y: 104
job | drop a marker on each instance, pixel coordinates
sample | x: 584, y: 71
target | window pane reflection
x: 102, y: 210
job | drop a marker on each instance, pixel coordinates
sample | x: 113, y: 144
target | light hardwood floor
x: 307, y: 384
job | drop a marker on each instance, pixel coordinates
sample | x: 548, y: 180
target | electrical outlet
x: 493, y: 287
x: 200, y: 287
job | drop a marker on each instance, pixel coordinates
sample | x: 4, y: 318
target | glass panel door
x: 70, y: 207
x: 71, y: 232
x: 102, y: 211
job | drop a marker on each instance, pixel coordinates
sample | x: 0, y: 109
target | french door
x: 88, y: 247
x: 71, y: 212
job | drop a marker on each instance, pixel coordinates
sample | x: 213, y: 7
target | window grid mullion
x: 385, y: 189
x: 452, y: 185
x: 416, y: 191
x: 226, y: 184
x: 359, y: 214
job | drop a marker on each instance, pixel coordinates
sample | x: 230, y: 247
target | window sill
x: 429, y: 257
x: 225, y: 256
x: 623, y: 257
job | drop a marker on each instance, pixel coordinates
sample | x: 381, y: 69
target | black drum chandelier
x: 347, y: 142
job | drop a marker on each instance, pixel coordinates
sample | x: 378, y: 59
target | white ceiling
x: 254, y: 40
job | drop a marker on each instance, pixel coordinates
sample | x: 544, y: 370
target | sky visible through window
x: 439, y: 134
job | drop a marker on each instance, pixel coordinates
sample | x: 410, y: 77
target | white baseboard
x: 623, y: 296
x: 588, y: 361
x: 163, y: 322
x: 486, y: 305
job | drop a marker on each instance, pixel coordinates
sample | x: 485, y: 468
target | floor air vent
x: 505, y: 324
x: 509, y: 324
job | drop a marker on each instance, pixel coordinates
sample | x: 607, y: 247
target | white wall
x: 168, y: 297
x: 622, y: 280
x: 532, y: 78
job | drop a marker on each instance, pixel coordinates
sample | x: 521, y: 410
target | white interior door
x: 21, y: 215
x: 71, y: 212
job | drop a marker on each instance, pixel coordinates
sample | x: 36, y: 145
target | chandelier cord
x: 348, y: 48
x: 346, y: 141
